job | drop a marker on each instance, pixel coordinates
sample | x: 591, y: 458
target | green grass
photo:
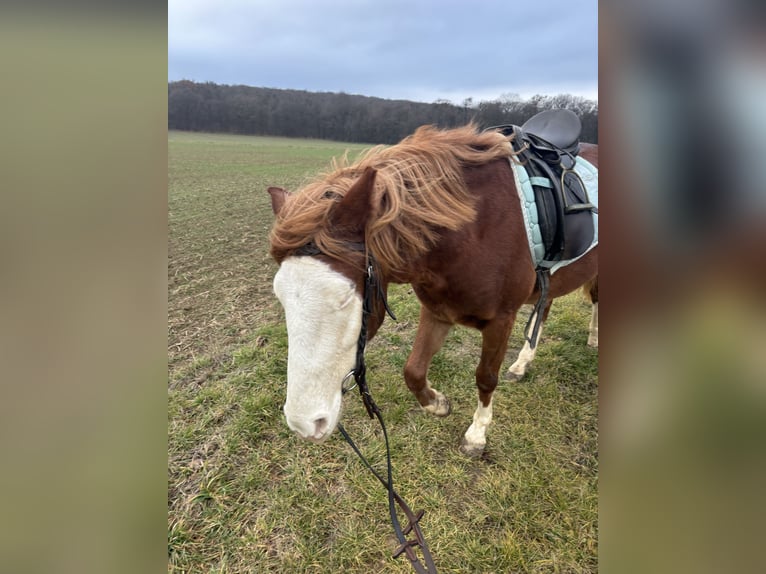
x: 246, y: 495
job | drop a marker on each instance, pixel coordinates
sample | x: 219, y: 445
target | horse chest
x: 453, y: 305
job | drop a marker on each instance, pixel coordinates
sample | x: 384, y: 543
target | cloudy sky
x: 399, y: 49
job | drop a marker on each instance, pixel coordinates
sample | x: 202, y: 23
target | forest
x: 210, y: 107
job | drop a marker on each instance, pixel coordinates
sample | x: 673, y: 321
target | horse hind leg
x: 519, y: 368
x: 494, y: 345
x: 428, y: 340
x: 591, y: 291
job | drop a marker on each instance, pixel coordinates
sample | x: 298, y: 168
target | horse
x: 439, y: 211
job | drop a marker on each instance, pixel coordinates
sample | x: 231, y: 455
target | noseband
x: 373, y: 289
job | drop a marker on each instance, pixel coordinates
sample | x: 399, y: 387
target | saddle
x: 555, y: 129
x: 547, y: 145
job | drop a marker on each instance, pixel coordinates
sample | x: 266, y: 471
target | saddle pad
x: 589, y: 175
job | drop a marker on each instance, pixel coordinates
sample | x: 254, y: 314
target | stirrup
x: 575, y: 207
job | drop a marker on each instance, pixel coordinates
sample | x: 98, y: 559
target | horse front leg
x: 494, y: 344
x: 428, y: 340
x: 519, y: 368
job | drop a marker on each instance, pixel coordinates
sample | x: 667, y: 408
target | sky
x: 420, y: 50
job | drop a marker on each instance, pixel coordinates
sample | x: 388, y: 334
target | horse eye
x: 330, y: 194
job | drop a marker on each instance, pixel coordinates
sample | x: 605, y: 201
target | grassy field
x: 246, y: 495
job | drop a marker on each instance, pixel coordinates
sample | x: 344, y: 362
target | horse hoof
x: 471, y: 450
x: 513, y: 377
x: 441, y: 407
x: 593, y: 342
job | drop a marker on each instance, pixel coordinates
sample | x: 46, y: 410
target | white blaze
x: 323, y: 312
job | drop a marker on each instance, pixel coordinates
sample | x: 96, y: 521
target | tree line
x: 211, y: 107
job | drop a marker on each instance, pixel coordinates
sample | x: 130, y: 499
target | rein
x: 373, y: 289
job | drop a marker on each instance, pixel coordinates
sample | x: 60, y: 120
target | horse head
x: 322, y: 299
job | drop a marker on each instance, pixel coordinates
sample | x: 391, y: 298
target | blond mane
x: 418, y: 190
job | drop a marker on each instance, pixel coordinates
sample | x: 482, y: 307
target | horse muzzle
x: 315, y: 428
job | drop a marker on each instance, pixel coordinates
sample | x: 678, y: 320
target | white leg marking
x: 439, y: 406
x: 476, y: 436
x: 593, y: 328
x: 527, y: 353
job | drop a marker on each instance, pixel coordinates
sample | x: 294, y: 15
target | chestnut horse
x: 439, y: 211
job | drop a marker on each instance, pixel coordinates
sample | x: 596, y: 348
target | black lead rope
x: 373, y: 288
x: 406, y: 546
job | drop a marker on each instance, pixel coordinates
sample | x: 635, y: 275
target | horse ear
x: 278, y: 198
x: 353, y: 211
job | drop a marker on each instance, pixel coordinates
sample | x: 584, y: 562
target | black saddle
x: 547, y: 145
x: 558, y: 128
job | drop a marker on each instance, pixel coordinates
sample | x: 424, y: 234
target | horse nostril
x: 320, y: 426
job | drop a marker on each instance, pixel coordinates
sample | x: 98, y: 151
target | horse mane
x: 419, y: 189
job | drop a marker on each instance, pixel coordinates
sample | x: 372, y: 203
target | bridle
x: 374, y: 290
